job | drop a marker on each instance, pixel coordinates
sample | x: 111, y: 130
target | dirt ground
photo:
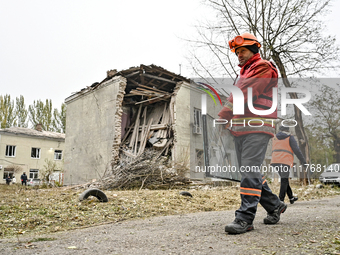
x: 37, y: 211
x: 307, y: 227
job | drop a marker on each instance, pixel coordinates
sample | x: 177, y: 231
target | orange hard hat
x: 243, y: 40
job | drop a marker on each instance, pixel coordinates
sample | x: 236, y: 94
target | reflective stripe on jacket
x: 282, y: 153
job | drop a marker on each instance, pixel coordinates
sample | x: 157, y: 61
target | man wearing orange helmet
x: 251, y: 139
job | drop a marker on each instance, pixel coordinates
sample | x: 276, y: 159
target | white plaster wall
x: 187, y: 99
x: 90, y: 133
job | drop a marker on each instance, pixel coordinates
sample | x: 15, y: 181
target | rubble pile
x: 149, y: 170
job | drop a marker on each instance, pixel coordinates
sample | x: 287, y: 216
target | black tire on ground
x: 185, y: 193
x: 93, y: 192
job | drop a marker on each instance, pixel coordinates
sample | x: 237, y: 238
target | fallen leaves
x: 58, y: 209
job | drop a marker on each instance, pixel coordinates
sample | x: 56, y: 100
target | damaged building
x: 129, y: 111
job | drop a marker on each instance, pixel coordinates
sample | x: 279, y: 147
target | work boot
x: 274, y: 217
x: 293, y: 199
x: 238, y: 227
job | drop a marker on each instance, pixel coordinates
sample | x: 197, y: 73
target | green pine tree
x: 21, y: 112
x: 59, y: 119
x: 7, y: 114
x: 40, y: 113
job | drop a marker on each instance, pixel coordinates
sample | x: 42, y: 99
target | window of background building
x: 34, y: 173
x: 35, y: 153
x: 199, y: 159
x: 10, y: 150
x: 58, y: 154
x: 8, y: 172
x: 197, y: 121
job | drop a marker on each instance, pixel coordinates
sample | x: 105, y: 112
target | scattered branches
x: 146, y: 171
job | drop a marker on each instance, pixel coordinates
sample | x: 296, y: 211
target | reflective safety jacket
x: 282, y: 153
x: 262, y: 76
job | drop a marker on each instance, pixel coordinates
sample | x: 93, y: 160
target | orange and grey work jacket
x: 282, y: 153
x: 262, y: 76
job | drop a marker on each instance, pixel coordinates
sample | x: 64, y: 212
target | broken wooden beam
x: 157, y: 78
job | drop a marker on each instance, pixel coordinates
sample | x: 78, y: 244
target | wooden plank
x: 147, y: 87
x: 154, y: 98
x: 144, y: 123
x: 154, y: 126
x: 156, y: 69
x: 127, y: 134
x: 160, y: 144
x: 163, y: 85
x: 166, y: 121
x: 137, y: 139
x: 151, y: 91
x: 156, y: 114
x: 141, y: 72
x: 131, y: 74
x: 136, y: 127
x: 146, y: 136
x: 133, y: 81
x: 145, y: 93
x: 129, y: 154
x: 157, y: 78
x: 159, y: 133
x: 158, y: 126
x: 165, y: 147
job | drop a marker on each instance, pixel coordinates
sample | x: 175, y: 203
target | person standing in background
x: 283, y: 150
x: 24, y: 179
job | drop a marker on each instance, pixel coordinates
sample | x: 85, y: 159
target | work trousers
x: 283, y: 171
x: 250, y: 151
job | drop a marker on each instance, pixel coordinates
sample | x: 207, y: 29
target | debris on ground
x: 146, y: 171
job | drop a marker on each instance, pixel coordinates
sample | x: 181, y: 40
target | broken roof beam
x: 152, y: 91
x: 154, y: 99
x: 144, y: 93
x: 157, y: 78
x: 147, y: 87
x: 161, y: 70
x: 141, y: 73
x: 131, y: 74
x: 144, y: 86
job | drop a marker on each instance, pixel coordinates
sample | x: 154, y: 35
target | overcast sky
x: 50, y: 49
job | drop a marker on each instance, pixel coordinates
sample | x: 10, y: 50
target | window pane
x: 58, y: 154
x: 33, y: 173
x: 197, y: 117
x: 35, y: 153
x: 10, y: 150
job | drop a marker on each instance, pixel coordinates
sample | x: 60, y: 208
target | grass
x: 32, y: 211
x: 42, y: 239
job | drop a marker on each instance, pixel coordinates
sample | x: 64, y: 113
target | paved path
x: 310, y: 227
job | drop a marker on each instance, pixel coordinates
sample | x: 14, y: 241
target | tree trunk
x: 336, y: 156
x: 299, y: 128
